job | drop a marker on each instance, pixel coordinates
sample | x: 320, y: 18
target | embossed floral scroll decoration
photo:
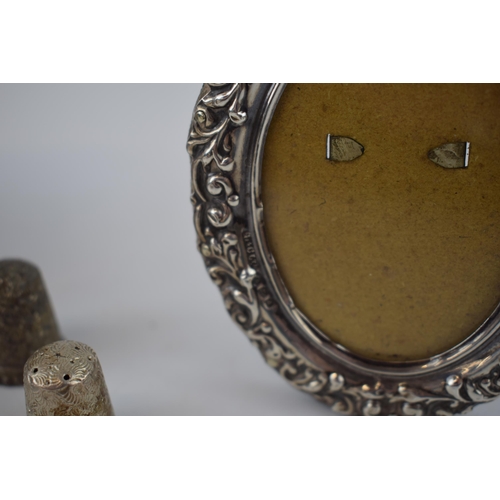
x: 222, y: 211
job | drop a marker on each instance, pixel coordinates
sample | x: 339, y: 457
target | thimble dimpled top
x: 26, y: 318
x: 65, y: 378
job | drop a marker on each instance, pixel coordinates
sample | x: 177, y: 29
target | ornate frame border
x: 226, y: 143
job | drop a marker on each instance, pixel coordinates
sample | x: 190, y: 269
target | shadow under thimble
x: 26, y: 318
x: 63, y: 379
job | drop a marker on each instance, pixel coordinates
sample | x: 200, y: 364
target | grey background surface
x: 94, y: 189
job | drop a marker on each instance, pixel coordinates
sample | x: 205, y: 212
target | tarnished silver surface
x: 340, y: 148
x: 26, y: 318
x: 226, y: 144
x: 65, y: 378
x: 453, y: 155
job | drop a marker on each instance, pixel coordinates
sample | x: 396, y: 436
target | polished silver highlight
x: 340, y: 148
x: 27, y: 321
x: 64, y: 379
x: 227, y: 138
x: 452, y: 155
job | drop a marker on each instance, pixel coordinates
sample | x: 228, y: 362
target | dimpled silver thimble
x: 26, y: 318
x: 65, y: 378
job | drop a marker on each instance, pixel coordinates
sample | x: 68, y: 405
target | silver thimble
x: 26, y: 318
x: 65, y: 378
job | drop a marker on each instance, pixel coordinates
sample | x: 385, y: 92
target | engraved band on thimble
x: 65, y: 378
x: 26, y: 318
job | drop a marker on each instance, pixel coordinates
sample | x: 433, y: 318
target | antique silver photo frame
x: 226, y: 143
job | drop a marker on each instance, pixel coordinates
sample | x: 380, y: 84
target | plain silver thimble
x: 26, y: 318
x: 65, y: 378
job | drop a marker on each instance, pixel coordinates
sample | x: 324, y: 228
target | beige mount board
x: 390, y: 255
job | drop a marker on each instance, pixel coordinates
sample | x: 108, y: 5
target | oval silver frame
x: 226, y: 145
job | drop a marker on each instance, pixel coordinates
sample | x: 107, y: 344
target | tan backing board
x: 390, y: 255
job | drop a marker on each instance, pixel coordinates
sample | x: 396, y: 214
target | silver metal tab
x: 452, y: 155
x: 340, y: 148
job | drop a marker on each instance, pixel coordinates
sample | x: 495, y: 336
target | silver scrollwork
x: 225, y: 144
